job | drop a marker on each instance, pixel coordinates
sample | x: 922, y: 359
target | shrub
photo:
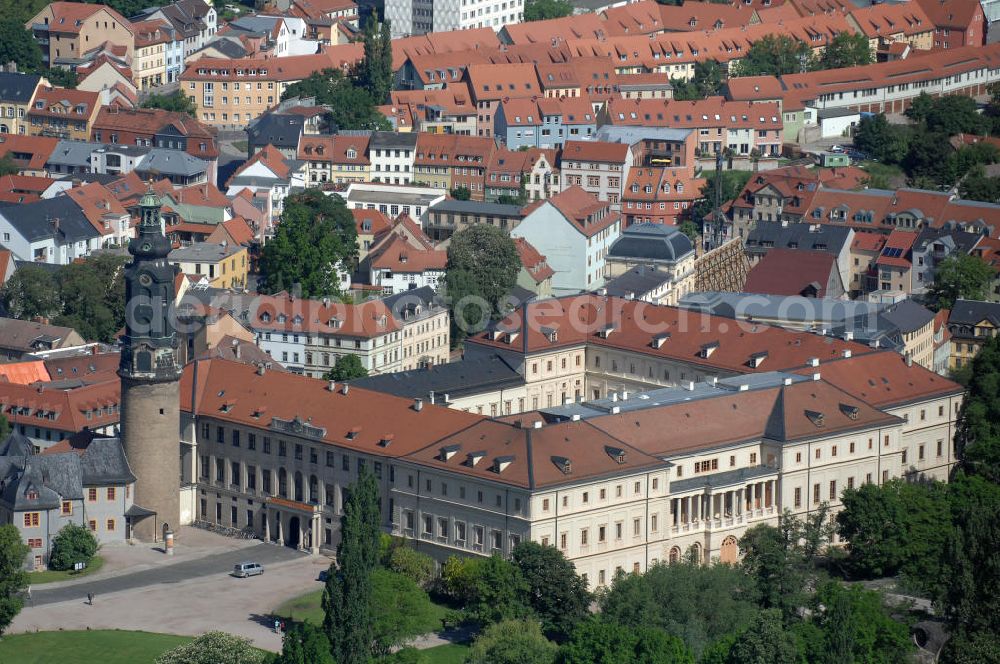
x: 74, y: 544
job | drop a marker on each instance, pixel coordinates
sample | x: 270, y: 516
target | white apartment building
x: 391, y: 156
x: 416, y: 17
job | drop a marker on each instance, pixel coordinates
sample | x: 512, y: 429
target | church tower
x: 150, y: 412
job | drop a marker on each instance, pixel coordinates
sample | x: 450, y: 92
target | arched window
x: 675, y: 555
x: 298, y: 486
x: 730, y: 551
x: 282, y: 483
x: 313, y: 489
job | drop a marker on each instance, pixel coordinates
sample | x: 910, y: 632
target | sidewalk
x: 189, y: 544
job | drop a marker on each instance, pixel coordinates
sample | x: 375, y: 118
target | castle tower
x: 150, y: 413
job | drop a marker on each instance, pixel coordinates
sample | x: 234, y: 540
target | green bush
x: 74, y: 544
x: 416, y: 566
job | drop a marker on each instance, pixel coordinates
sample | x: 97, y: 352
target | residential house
x: 196, y: 21
x: 449, y: 162
x: 68, y: 31
x: 834, y: 240
x: 796, y: 272
x: 574, y: 231
x: 426, y: 328
x: 535, y: 274
x: 972, y: 324
x: 660, y: 195
x: 84, y: 480
x: 226, y: 265
x: 396, y: 265
x: 269, y: 172
x: 53, y: 230
x: 17, y: 96
x: 934, y: 245
x: 338, y: 159
x: 599, y: 168
x: 894, y: 266
x: 887, y: 24
x: 449, y: 216
x: 21, y: 338
x: 370, y: 226
x: 392, y: 156
x: 62, y: 113
x: 156, y: 43
x: 957, y: 23
x: 491, y: 84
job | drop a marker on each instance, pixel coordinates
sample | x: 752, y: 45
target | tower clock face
x: 146, y: 246
x: 145, y: 279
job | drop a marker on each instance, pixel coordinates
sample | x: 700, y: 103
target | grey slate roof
x: 453, y: 379
x: 228, y: 47
x: 279, y: 129
x: 16, y: 444
x: 103, y: 461
x: 34, y: 221
x: 632, y: 135
x: 476, y: 207
x: 393, y: 140
x: 963, y: 242
x: 907, y: 316
x: 637, y: 282
x: 203, y: 251
x: 17, y: 88
x: 648, y: 241
x: 402, y: 305
x: 970, y: 312
x: 172, y: 162
x: 73, y: 153
x: 779, y: 235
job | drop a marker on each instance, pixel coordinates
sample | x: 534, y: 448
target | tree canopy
x: 374, y: 72
x: 175, y: 101
x: 775, y: 55
x: 977, y: 438
x: 87, y: 296
x: 353, y: 106
x: 347, y: 367
x: 72, y: 544
x: 706, y: 82
x: 599, y: 641
x: 541, y: 10
x: 847, y: 49
x: 482, y: 269
x: 13, y: 578
x: 512, y: 642
x: 558, y: 596
x: 316, y: 235
x: 18, y: 45
x: 960, y: 277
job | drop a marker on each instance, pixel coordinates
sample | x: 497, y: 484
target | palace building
x: 633, y: 446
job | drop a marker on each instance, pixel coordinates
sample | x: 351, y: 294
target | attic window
x: 500, y: 463
x: 335, y: 323
x: 757, y: 359
x: 709, y: 348
x: 849, y: 410
x: 353, y: 433
x: 815, y: 417
x: 31, y: 494
x: 551, y: 333
x: 659, y: 339
x: 472, y: 458
x: 616, y: 453
x: 226, y: 407
x: 564, y: 465
x: 606, y: 331
x: 448, y: 451
x: 385, y: 440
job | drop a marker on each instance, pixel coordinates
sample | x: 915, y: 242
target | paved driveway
x: 187, y: 598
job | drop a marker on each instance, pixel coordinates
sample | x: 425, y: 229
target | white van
x: 247, y: 569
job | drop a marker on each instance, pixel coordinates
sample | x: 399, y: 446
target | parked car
x: 836, y: 148
x: 243, y: 570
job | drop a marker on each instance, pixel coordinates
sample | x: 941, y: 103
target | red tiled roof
x: 33, y: 151
x: 378, y: 223
x: 532, y: 260
x: 334, y: 149
x: 68, y: 17
x: 610, y: 153
x: 790, y: 271
x: 399, y: 256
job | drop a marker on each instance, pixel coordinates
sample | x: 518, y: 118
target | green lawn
x: 309, y: 608
x: 453, y: 653
x: 48, y: 576
x: 106, y: 647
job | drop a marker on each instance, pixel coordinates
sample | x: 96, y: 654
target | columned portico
x: 297, y: 524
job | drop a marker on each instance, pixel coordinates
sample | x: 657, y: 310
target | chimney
x: 624, y: 395
x: 813, y: 361
x: 816, y: 376
x: 537, y: 424
x: 430, y: 397
x: 331, y: 385
x: 345, y: 389
x: 846, y: 352
x: 909, y: 360
x: 418, y: 405
x: 260, y: 369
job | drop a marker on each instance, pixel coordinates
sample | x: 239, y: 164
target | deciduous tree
x: 959, y: 277
x: 555, y: 592
x: 316, y: 234
x: 353, y: 106
x: 375, y: 70
x: 847, y: 49
x: 402, y: 610
x: 304, y: 643
x: 13, y: 578
x: 600, y: 641
x: 977, y: 439
x: 347, y: 367
x: 512, y: 642
x: 775, y: 55
x: 31, y: 292
x: 73, y: 544
x: 482, y: 269
x: 175, y: 101
x: 765, y: 641
x: 541, y: 10
x: 18, y: 45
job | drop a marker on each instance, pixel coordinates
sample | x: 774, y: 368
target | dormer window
x: 265, y: 317
x: 501, y: 463
x: 564, y: 465
x: 448, y: 451
x: 617, y: 454
x: 816, y: 418
x: 353, y: 433
x: 352, y: 153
